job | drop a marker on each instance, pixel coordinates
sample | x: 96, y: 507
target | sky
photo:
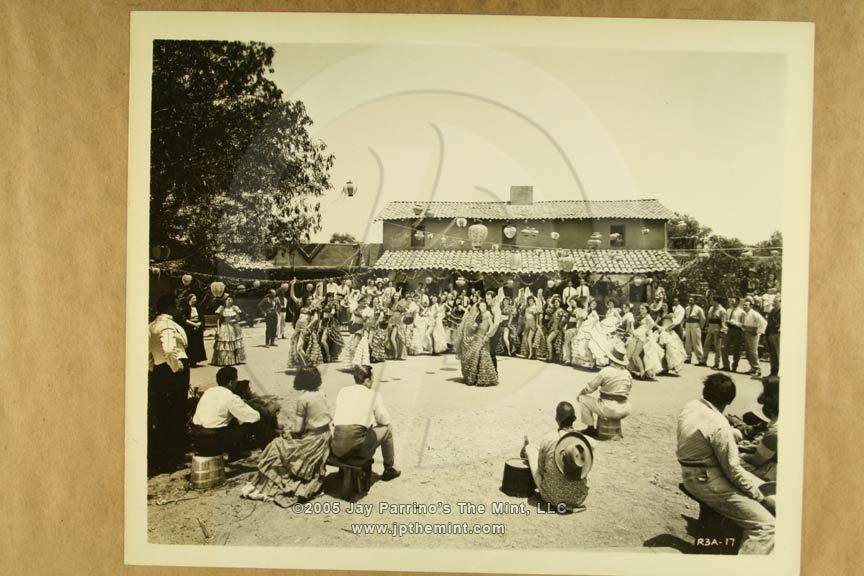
x: 701, y: 132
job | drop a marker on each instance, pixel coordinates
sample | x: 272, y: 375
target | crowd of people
x: 725, y: 460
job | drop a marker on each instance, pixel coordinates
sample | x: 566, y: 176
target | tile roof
x: 545, y: 210
x: 529, y: 261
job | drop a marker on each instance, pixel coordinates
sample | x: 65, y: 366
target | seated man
x: 614, y: 382
x: 223, y: 422
x: 560, y: 463
x: 362, y: 424
x: 760, y: 456
x: 711, y: 467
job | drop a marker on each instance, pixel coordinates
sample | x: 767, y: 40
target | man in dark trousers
x: 267, y: 307
x: 772, y: 335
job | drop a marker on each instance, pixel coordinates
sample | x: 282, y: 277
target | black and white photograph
x: 467, y: 293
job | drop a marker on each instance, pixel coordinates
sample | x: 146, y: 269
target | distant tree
x: 686, y: 233
x: 233, y: 167
x: 340, y: 238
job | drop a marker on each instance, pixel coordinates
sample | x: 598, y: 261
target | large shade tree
x: 234, y: 169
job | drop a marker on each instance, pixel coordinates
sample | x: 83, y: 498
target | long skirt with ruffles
x: 291, y: 466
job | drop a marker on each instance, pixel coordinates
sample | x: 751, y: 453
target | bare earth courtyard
x: 451, y: 444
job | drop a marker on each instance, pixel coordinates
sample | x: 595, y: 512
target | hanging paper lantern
x: 461, y: 222
x: 241, y: 288
x: 419, y: 234
x: 534, y: 232
x: 550, y: 284
x: 256, y: 284
x: 645, y: 231
x: 510, y: 232
x: 186, y: 279
x: 217, y: 289
x: 477, y: 233
x: 638, y: 280
x: 554, y: 235
x: 160, y: 253
x: 516, y: 260
x: 428, y: 280
x: 460, y: 282
x: 526, y: 232
x: 510, y: 283
x: 704, y: 255
x: 775, y: 253
x: 349, y: 189
x: 595, y: 240
x: 310, y: 287
x: 566, y: 263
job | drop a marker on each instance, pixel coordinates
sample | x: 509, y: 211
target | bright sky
x: 701, y: 132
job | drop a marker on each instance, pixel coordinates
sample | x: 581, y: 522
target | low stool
x: 356, y: 475
x: 609, y: 429
x: 715, y: 534
x: 207, y: 471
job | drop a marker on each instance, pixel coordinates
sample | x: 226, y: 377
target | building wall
x: 573, y: 234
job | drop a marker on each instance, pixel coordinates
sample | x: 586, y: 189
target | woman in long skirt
x: 476, y: 360
x: 296, y: 464
x: 674, y: 354
x: 228, y: 349
x: 437, y: 337
x: 379, y: 332
x: 193, y: 324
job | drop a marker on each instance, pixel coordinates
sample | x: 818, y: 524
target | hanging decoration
x: 510, y: 232
x: 186, y: 279
x: 461, y: 222
x: 460, y: 282
x: 595, y: 240
x: 554, y: 235
x: 477, y: 233
x: 566, y: 263
x: 645, y: 231
x: 550, y: 284
x: 428, y: 280
x: 256, y: 284
x: 217, y: 289
x: 349, y: 189
x: 495, y: 247
x: 241, y: 288
x: 419, y: 234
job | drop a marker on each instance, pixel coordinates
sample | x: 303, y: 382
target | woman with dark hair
x: 194, y: 326
x: 228, y: 348
x: 331, y: 337
x: 477, y: 366
x: 168, y: 388
x: 295, y: 464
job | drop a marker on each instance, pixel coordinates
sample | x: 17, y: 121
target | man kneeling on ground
x: 711, y: 466
x: 362, y: 424
x: 560, y: 463
x: 224, y: 423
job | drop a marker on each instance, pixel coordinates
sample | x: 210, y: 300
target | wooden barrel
x: 208, y: 471
x: 608, y: 429
x: 517, y: 479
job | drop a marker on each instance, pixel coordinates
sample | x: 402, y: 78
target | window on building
x: 418, y: 236
x: 616, y: 236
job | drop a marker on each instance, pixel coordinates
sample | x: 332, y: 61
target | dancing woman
x: 530, y: 324
x: 228, y: 348
x: 476, y: 360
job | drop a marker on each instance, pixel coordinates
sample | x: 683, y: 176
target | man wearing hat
x: 561, y: 462
x: 267, y: 307
x: 614, y: 382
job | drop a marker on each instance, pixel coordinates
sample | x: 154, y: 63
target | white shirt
x: 677, y: 315
x: 359, y: 405
x: 570, y: 292
x: 167, y: 342
x: 332, y: 288
x: 583, y: 291
x: 218, y: 405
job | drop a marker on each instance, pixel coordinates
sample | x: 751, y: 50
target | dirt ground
x: 451, y: 444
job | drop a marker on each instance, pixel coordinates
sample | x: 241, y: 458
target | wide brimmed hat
x: 618, y: 353
x: 574, y: 456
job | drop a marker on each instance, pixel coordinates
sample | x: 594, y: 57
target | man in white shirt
x: 223, y: 422
x: 711, y: 466
x: 362, y: 424
x: 753, y: 326
x: 694, y: 321
x: 570, y: 291
x: 583, y: 292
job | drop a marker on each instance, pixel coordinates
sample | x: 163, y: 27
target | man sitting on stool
x: 361, y: 424
x: 223, y: 422
x: 711, y: 466
x: 614, y: 382
x: 561, y: 462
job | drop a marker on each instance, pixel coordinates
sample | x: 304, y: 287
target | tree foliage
x: 233, y: 167
x: 342, y: 238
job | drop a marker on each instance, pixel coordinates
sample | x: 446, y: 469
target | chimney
x: 521, y: 195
